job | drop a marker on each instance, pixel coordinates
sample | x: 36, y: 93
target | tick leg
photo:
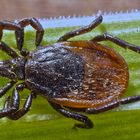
x: 112, y: 105
x: 6, y: 25
x: 117, y: 41
x: 14, y: 105
x: 4, y: 89
x: 8, y: 50
x: 7, y: 103
x: 36, y: 25
x: 81, y: 30
x: 21, y: 112
x: 76, y: 116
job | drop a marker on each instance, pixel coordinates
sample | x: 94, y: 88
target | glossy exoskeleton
x: 73, y: 76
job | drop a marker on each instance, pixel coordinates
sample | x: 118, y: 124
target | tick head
x: 13, y: 69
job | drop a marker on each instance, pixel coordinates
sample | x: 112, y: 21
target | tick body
x: 73, y: 76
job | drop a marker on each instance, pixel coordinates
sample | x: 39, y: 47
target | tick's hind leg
x: 117, y: 41
x: 81, y: 30
x: 76, y: 116
x: 112, y: 105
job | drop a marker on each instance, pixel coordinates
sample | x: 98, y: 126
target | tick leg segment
x: 14, y: 105
x: 7, y: 25
x: 11, y: 107
x: 21, y: 112
x: 8, y: 50
x: 81, y: 30
x: 117, y: 41
x: 36, y: 25
x: 4, y: 89
x: 86, y: 121
x: 112, y: 105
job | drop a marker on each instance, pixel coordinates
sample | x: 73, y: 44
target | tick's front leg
x: 4, y: 47
x: 36, y: 25
x: 7, y: 25
x: 13, y: 105
x: 4, y: 89
x: 21, y: 112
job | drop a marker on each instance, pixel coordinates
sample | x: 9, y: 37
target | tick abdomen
x: 105, y: 76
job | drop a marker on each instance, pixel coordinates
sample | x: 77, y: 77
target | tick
x: 74, y: 76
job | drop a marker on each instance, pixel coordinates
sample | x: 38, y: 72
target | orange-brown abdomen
x: 105, y: 79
